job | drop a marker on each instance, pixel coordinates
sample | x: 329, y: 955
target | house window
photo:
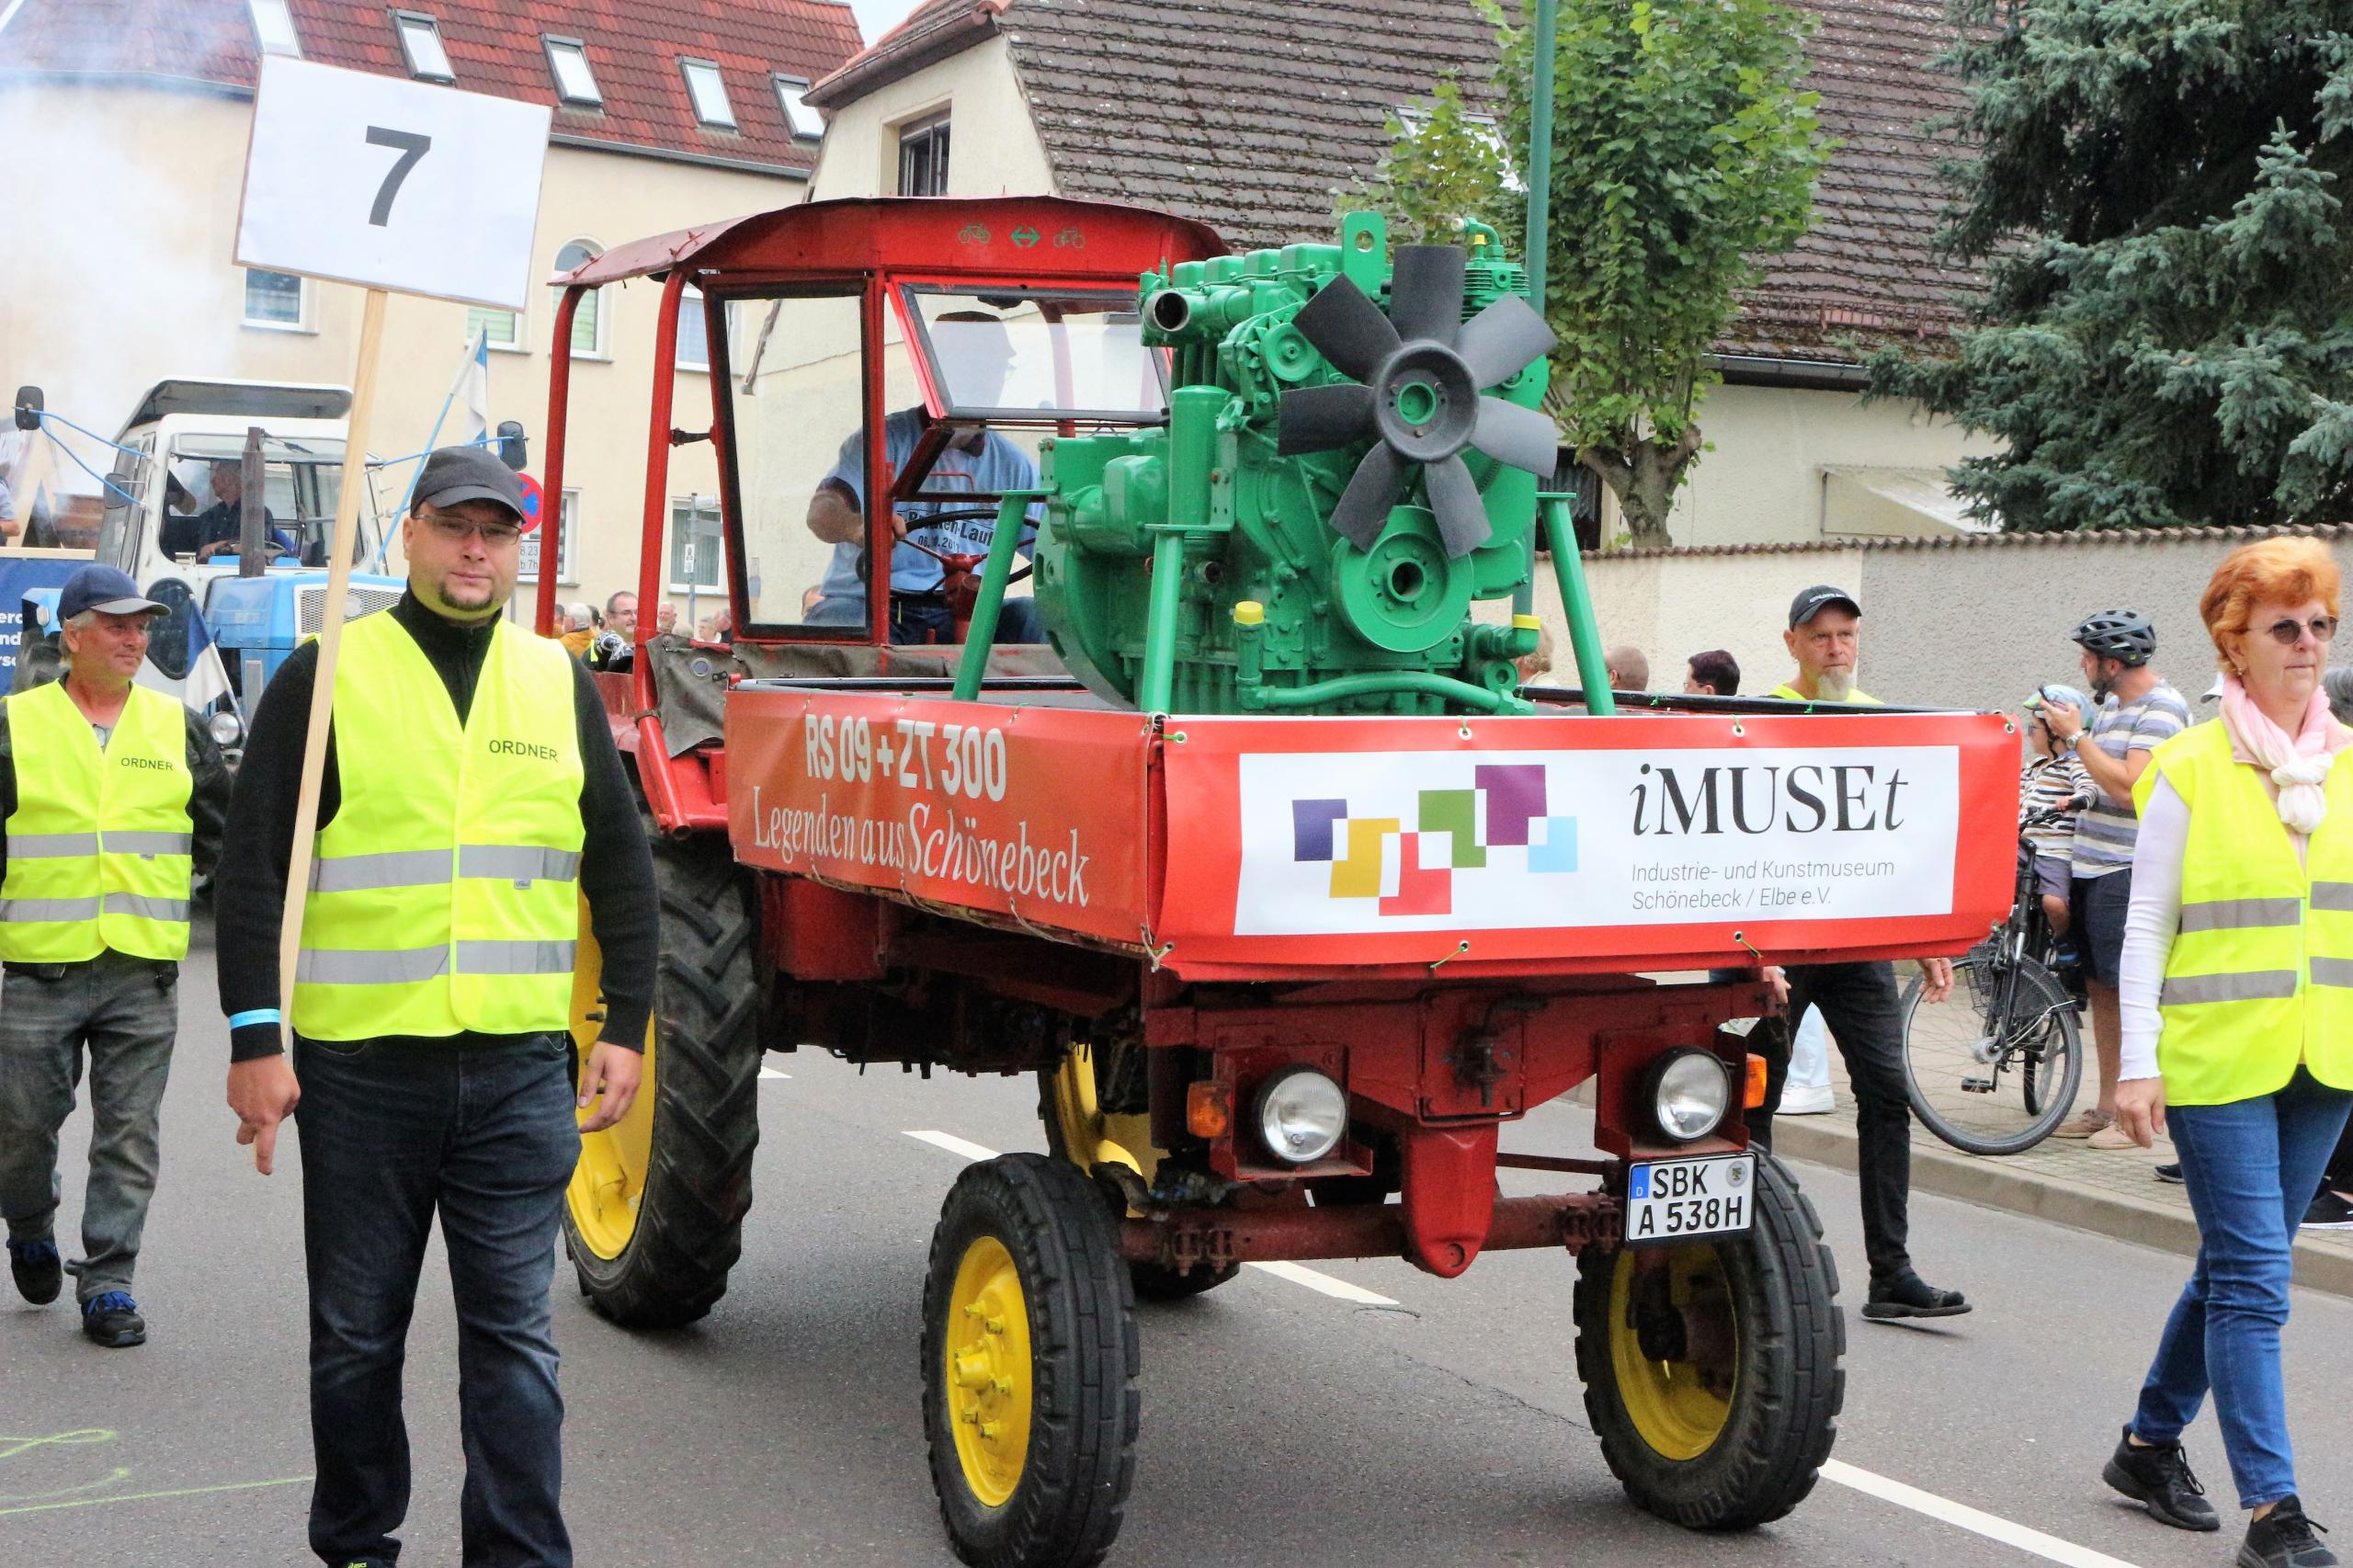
x: 922, y: 157
x: 276, y: 300
x: 503, y: 330
x: 274, y: 27
x: 527, y: 568
x: 695, y: 542
x: 709, y: 93
x: 574, y: 83
x: 421, y: 41
x: 799, y: 118
x: 694, y: 338
x: 588, y: 318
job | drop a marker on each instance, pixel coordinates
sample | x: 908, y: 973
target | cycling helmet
x: 2122, y: 634
x: 2046, y: 695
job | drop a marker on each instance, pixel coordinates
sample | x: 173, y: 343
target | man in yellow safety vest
x: 113, y: 796
x: 472, y: 797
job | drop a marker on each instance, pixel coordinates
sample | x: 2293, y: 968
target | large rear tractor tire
x: 653, y: 1218
x: 1711, y: 1375
x: 1029, y: 1403
x: 1079, y: 1130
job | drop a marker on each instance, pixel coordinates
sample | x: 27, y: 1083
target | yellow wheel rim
x: 608, y: 1183
x: 1090, y: 1136
x: 987, y: 1373
x: 1679, y: 1407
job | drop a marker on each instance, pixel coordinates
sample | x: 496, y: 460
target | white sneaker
x: 1806, y: 1099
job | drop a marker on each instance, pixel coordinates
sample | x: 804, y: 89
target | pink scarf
x: 2298, y: 765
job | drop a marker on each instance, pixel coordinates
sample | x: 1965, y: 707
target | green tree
x: 1442, y: 168
x: 1684, y: 149
x: 2166, y: 331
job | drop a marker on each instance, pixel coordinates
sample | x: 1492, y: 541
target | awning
x: 1894, y: 502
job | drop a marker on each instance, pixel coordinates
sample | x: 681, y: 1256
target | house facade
x: 127, y: 123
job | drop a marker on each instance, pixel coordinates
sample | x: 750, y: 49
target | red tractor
x: 1260, y: 860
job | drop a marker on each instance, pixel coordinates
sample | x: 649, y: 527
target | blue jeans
x: 391, y: 1134
x: 2250, y: 1167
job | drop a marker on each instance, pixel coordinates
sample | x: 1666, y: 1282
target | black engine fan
x: 1420, y: 370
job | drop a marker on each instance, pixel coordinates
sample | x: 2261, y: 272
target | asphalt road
x: 1283, y: 1425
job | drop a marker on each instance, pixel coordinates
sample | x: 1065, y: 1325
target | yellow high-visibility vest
x: 2261, y: 974
x: 100, y: 846
x: 444, y: 895
x: 1792, y: 694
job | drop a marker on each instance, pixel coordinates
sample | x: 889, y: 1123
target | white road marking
x: 954, y: 1145
x: 2050, y: 1548
x: 772, y: 1072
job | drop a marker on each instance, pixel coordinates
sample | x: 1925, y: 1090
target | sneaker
x: 2083, y: 1125
x: 112, y: 1320
x: 2283, y: 1538
x: 39, y: 1272
x: 2110, y: 1138
x: 2157, y: 1477
x: 1806, y: 1099
x: 1911, y: 1297
x: 2328, y: 1213
x: 2171, y: 1173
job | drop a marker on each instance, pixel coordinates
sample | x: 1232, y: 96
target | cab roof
x: 243, y: 399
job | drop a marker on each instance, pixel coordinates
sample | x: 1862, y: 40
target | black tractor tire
x: 1777, y: 1288
x: 1077, y: 1379
x: 705, y: 1072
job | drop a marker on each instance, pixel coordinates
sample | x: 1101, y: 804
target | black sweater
x: 616, y: 868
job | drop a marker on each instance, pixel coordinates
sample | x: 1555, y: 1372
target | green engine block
x: 1330, y: 495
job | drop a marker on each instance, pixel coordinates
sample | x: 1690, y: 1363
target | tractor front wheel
x: 1710, y: 1368
x: 653, y: 1218
x: 1030, y: 1400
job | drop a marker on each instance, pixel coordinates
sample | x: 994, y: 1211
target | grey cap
x: 469, y: 473
x: 1816, y: 600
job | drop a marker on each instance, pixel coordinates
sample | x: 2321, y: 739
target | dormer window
x: 574, y: 83
x: 799, y: 118
x: 421, y: 43
x: 274, y: 27
x: 709, y: 94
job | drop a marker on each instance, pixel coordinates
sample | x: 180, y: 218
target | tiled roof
x: 1249, y: 114
x: 2073, y: 538
x: 493, y: 47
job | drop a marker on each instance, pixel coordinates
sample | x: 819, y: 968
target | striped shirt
x: 2104, y: 835
x: 2048, y: 784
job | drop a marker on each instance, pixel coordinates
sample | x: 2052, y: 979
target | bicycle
x: 1994, y: 1069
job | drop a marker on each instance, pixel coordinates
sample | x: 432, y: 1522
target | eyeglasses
x: 2288, y: 632
x: 457, y: 530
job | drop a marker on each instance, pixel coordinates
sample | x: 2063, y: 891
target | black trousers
x: 1859, y: 1002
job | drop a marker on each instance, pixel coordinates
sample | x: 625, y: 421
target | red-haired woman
x: 2237, y: 997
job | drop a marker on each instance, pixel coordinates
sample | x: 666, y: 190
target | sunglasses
x: 2288, y: 632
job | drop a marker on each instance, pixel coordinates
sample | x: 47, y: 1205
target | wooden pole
x: 314, y: 745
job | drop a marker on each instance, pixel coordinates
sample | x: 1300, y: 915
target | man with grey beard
x: 1825, y: 628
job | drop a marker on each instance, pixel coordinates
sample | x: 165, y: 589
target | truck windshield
x: 1015, y: 356
x: 301, y: 479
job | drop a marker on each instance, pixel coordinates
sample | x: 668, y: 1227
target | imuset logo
x: 1411, y: 870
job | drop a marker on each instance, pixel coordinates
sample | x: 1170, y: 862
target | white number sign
x: 392, y: 184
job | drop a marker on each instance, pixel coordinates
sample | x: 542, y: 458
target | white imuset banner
x: 1338, y: 842
x: 396, y: 185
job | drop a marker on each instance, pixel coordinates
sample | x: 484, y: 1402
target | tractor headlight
x: 226, y: 727
x: 1688, y: 1093
x: 1302, y: 1115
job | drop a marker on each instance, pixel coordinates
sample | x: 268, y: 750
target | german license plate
x: 1673, y: 1200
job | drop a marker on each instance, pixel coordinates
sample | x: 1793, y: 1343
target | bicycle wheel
x: 1988, y: 1083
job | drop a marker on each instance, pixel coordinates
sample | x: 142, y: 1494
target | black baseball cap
x: 104, y: 588
x: 469, y: 473
x: 1815, y: 600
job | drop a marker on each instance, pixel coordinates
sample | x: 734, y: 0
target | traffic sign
x: 530, y: 501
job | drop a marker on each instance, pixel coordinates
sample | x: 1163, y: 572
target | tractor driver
x: 976, y: 352
x: 215, y: 529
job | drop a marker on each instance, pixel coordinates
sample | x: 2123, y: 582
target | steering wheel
x: 948, y: 561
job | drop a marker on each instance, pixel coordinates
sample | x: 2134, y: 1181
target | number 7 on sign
x: 413, y: 147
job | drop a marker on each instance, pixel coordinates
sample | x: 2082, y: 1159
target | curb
x: 1999, y: 1184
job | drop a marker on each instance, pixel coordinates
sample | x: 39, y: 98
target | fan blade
x: 1348, y: 328
x: 1462, y: 523
x: 1501, y: 338
x: 1524, y: 437
x: 1316, y: 419
x: 1426, y: 292
x: 1364, y: 506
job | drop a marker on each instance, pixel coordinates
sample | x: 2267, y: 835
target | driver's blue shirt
x: 998, y: 466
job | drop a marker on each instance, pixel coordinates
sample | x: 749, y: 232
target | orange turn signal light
x: 1208, y: 1113
x: 1755, y: 1092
